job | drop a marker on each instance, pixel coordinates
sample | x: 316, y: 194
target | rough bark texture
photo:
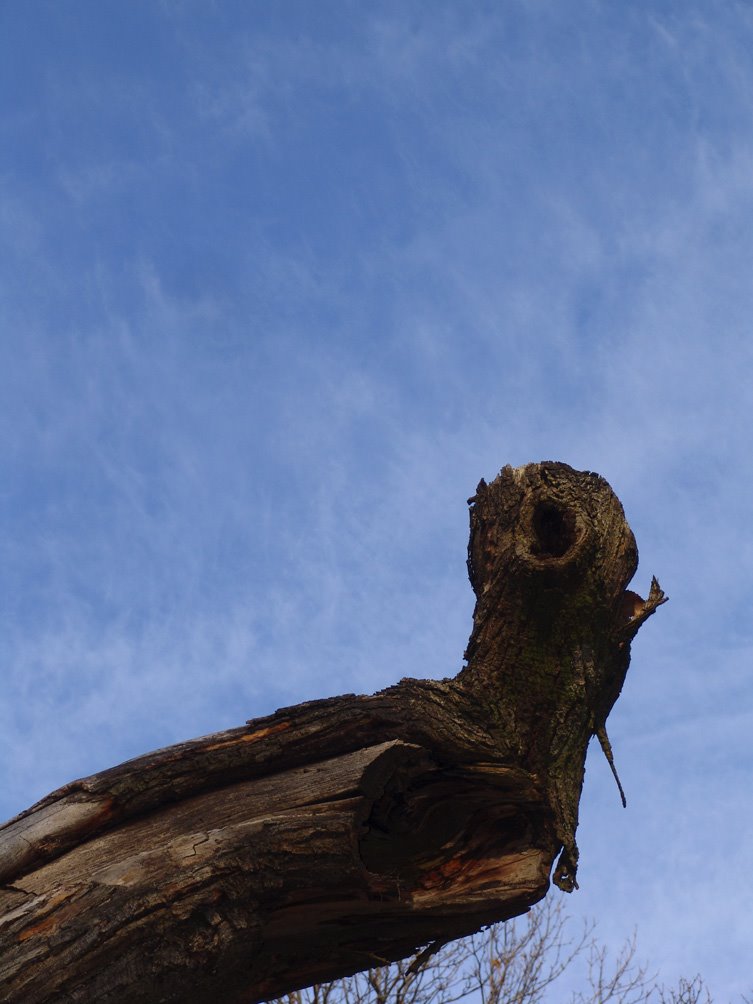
x: 346, y: 832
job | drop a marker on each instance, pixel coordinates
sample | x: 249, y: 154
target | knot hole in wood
x: 554, y: 529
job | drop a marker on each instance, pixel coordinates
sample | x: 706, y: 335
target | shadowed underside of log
x: 345, y: 832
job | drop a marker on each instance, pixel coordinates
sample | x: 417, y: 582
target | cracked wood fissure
x: 346, y: 832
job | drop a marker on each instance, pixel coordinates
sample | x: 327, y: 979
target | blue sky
x: 279, y: 282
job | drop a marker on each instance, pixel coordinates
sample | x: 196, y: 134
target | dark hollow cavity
x: 553, y: 530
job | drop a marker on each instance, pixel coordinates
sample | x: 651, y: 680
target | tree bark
x: 344, y: 833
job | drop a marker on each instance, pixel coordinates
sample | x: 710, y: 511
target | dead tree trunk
x: 346, y: 832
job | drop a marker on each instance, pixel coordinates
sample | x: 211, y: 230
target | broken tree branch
x: 343, y: 833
